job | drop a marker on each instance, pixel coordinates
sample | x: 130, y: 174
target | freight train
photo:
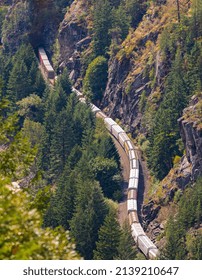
x: 148, y: 248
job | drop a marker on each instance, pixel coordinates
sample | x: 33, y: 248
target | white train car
x: 116, y: 130
x: 44, y: 61
x: 137, y: 231
x: 109, y: 124
x: 132, y: 194
x: 133, y: 217
x: 148, y: 248
x: 131, y: 205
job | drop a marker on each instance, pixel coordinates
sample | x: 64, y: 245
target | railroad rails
x: 143, y: 242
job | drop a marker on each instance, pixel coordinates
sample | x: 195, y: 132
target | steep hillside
x: 141, y: 62
x: 152, y: 74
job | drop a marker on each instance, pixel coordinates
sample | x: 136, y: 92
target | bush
x: 96, y: 78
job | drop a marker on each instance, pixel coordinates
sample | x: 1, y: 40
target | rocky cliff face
x: 130, y: 71
x: 73, y: 38
x: 156, y: 211
x: 17, y: 26
x: 36, y: 22
x: 120, y: 103
x: 191, y: 133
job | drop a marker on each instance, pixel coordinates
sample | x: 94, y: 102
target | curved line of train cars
x: 148, y: 248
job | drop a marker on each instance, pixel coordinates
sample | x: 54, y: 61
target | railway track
x: 143, y: 242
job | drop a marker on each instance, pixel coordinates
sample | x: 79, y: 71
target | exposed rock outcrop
x: 186, y: 171
x: 191, y: 133
x: 18, y: 25
x: 149, y: 213
x: 73, y: 38
x: 130, y: 71
x: 119, y: 100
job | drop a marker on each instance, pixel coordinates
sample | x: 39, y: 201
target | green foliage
x: 62, y: 203
x: 33, y: 131
x: 175, y: 248
x: 103, y: 143
x: 21, y: 236
x: 95, y: 79
x: 88, y: 217
x: 120, y: 24
x: 126, y: 250
x: 42, y: 200
x: 19, y: 84
x: 181, y: 83
x: 135, y: 9
x: 24, y: 76
x: 61, y: 143
x: 108, y: 241
x: 16, y: 155
x: 64, y: 83
x: 181, y: 238
x: 197, y: 18
x: 105, y: 171
x: 102, y: 23
x: 194, y: 245
x: 70, y: 126
x: 3, y: 11
x: 16, y: 27
x: 31, y: 107
x: 111, y: 22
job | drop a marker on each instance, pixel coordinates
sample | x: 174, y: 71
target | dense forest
x: 63, y: 157
x: 60, y: 172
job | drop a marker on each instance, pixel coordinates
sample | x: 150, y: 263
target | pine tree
x: 64, y: 82
x: 197, y: 18
x: 43, y: 161
x: 102, y: 23
x: 33, y: 72
x: 19, y: 84
x: 39, y: 85
x: 61, y: 143
x: 103, y: 143
x: 120, y: 23
x: 88, y: 217
x: 135, y: 9
x: 108, y: 238
x: 126, y: 249
x: 61, y: 98
x: 62, y: 203
x: 165, y: 133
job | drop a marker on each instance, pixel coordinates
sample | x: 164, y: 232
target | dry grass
x: 142, y: 44
x: 194, y: 113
